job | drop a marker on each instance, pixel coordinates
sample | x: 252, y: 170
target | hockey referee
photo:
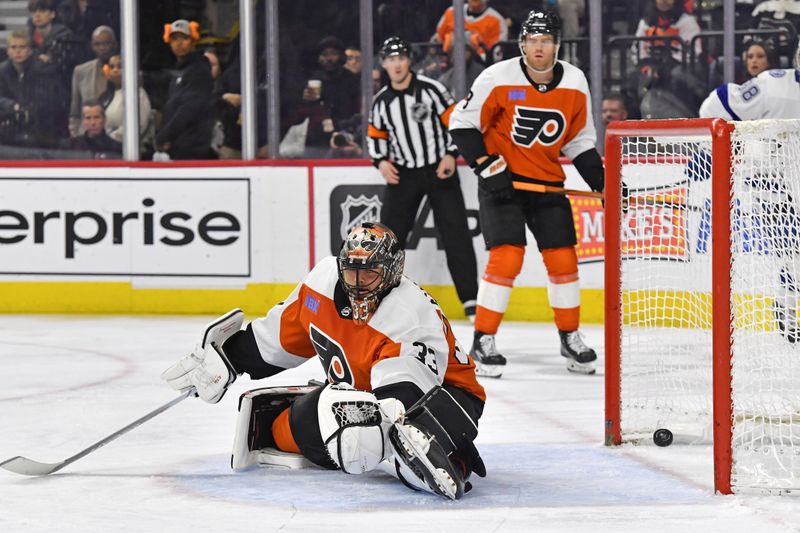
x: 410, y: 145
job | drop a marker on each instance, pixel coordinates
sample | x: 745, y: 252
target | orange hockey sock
x: 494, y: 289
x: 282, y: 433
x: 563, y: 287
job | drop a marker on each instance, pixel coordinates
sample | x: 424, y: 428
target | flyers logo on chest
x: 545, y: 126
x: 334, y: 361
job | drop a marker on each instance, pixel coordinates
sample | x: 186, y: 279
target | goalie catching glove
x: 207, y: 369
x: 494, y: 178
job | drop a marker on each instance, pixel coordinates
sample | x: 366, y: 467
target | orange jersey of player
x: 407, y: 339
x: 489, y: 26
x: 528, y: 126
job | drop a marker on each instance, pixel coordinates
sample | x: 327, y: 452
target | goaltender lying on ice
x: 401, y: 396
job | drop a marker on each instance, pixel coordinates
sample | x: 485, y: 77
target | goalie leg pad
x: 435, y: 443
x: 258, y: 409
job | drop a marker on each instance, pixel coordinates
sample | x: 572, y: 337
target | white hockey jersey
x: 771, y: 94
x: 407, y: 339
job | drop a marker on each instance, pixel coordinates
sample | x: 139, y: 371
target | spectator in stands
x: 353, y: 62
x: 571, y: 12
x: 488, y: 27
x: 187, y: 115
x: 614, y: 108
x: 88, y: 80
x: 113, y: 104
x: 668, y: 18
x: 668, y: 88
x: 94, y: 138
x: 474, y: 68
x: 228, y: 90
x: 331, y: 97
x: 758, y: 57
x: 29, y: 104
x: 83, y: 16
x: 53, y: 43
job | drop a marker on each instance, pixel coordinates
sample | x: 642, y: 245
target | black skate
x: 488, y: 361
x: 579, y: 356
x: 787, y: 324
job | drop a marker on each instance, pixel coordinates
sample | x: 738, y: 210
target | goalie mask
x: 540, y: 23
x: 370, y: 265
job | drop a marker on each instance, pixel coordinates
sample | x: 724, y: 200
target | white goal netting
x: 666, y: 303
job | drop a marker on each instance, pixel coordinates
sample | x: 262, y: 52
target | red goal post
x: 669, y: 145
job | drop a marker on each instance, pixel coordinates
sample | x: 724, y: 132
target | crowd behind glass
x: 61, y: 93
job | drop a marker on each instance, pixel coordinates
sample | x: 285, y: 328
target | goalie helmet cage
x: 700, y: 292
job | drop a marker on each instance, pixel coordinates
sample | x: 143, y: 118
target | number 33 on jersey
x: 529, y: 124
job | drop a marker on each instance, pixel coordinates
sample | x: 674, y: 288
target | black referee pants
x: 401, y: 204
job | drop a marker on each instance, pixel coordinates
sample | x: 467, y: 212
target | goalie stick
x: 29, y: 467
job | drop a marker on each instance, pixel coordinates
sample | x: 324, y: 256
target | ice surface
x: 68, y: 381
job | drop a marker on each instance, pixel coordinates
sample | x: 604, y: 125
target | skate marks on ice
x: 519, y: 475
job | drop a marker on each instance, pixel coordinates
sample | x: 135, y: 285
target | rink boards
x: 114, y: 237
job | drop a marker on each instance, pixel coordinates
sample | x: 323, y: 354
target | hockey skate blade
x: 445, y: 484
x: 488, y: 371
x: 29, y: 467
x: 580, y: 368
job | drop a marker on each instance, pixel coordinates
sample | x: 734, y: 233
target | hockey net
x: 702, y: 257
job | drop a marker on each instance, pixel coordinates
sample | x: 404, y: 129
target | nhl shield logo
x: 420, y: 111
x: 358, y: 210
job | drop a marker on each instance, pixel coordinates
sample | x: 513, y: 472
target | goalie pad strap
x: 304, y: 424
x: 454, y: 425
x: 407, y: 392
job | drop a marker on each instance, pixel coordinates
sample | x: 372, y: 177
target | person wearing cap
x: 187, y: 125
x: 409, y: 144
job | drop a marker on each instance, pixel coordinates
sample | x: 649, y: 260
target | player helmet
x: 541, y: 22
x: 370, y: 265
x: 395, y: 46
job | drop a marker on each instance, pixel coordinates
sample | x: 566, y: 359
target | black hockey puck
x: 662, y: 437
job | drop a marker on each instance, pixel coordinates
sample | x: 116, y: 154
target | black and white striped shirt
x: 409, y: 127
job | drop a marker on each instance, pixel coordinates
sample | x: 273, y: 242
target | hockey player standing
x: 520, y: 115
x: 772, y: 94
x: 401, y: 394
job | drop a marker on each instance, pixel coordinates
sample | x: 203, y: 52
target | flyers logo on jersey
x: 334, y: 361
x: 532, y: 124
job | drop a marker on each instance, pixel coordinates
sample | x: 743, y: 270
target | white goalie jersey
x: 772, y: 94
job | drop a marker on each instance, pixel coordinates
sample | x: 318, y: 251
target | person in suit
x: 88, y: 81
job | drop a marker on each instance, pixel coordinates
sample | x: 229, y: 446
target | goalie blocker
x: 429, y: 447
